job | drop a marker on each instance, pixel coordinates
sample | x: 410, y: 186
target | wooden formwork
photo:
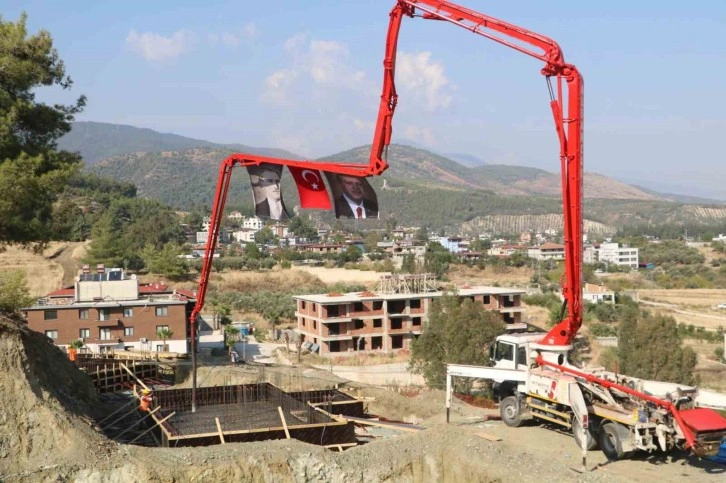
x: 108, y: 374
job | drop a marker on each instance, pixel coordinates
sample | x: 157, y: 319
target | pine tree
x: 32, y: 170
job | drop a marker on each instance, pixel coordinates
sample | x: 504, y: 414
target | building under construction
x: 253, y: 412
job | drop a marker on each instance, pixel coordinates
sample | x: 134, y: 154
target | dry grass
x: 335, y: 275
x: 43, y: 275
x: 463, y: 274
x: 245, y: 281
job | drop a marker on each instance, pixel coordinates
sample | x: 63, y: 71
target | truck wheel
x: 509, y: 410
x: 612, y: 436
x: 577, y: 434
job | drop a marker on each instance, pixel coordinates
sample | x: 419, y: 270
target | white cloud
x: 322, y: 62
x: 277, y: 84
x: 424, y: 79
x: 365, y: 126
x: 157, y: 48
x: 423, y: 135
x: 234, y: 39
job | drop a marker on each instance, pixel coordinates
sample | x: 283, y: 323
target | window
x: 333, y: 310
x: 415, y: 303
x: 396, y: 324
x: 51, y: 334
x: 358, y: 324
x: 522, y: 355
x: 377, y: 323
x: 50, y: 314
x: 104, y: 314
x: 378, y: 305
x: 128, y: 331
x: 104, y: 333
x: 162, y: 311
x: 128, y: 312
x: 302, y: 305
x: 504, y: 351
x: 315, y: 308
x: 358, y: 307
x: 84, y: 333
x: 416, y: 321
x: 487, y: 299
x: 83, y: 314
x: 315, y: 324
x: 161, y: 327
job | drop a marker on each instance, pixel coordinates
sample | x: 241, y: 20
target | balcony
x: 342, y: 335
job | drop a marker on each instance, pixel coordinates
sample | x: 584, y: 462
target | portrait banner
x: 265, y: 179
x: 353, y: 196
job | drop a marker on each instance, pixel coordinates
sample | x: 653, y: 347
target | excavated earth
x: 48, y: 433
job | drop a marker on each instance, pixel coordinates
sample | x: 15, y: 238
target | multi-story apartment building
x: 387, y: 320
x: 109, y: 310
x: 613, y: 253
x: 547, y: 251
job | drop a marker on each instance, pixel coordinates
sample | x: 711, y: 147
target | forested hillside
x: 100, y: 140
x: 421, y: 188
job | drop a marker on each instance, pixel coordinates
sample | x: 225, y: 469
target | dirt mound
x: 46, y: 404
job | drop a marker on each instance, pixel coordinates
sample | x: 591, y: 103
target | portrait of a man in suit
x: 354, y: 197
x: 265, y: 180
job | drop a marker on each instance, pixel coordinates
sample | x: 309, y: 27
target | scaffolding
x: 407, y: 283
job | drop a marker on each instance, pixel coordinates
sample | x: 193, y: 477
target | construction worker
x: 145, y: 400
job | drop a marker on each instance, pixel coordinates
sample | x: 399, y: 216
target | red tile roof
x: 64, y: 292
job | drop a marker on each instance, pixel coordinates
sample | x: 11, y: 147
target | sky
x: 306, y: 76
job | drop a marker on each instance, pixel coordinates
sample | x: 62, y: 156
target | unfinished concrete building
x: 390, y: 318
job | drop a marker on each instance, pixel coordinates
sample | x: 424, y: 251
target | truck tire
x: 611, y: 438
x: 509, y: 410
x: 577, y: 434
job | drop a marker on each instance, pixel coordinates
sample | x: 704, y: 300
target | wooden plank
x: 219, y: 428
x: 259, y: 430
x: 401, y: 427
x: 284, y: 423
x: 488, y: 437
x: 341, y: 445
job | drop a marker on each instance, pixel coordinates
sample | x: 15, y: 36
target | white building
x: 253, y: 223
x: 613, y: 253
x: 547, y: 251
x: 597, y: 294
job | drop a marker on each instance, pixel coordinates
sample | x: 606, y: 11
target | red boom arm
x: 568, y: 116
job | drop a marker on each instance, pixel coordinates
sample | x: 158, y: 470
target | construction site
x: 117, y: 415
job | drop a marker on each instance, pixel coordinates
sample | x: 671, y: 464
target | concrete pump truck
x: 533, y: 374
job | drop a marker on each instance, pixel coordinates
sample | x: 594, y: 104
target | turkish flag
x: 311, y: 188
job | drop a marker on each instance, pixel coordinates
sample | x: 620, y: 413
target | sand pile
x: 47, y: 404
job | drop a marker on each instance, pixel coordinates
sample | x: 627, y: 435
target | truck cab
x: 512, y: 351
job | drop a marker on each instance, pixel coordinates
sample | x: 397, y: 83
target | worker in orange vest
x: 145, y: 400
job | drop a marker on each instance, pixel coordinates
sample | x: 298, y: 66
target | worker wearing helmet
x: 145, y: 400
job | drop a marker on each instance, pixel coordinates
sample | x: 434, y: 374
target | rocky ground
x: 48, y: 433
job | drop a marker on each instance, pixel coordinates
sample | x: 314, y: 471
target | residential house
x: 613, y: 253
x: 110, y: 310
x: 597, y: 294
x: 547, y: 251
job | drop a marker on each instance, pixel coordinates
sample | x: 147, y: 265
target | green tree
x: 165, y: 261
x: 14, y: 292
x: 651, y: 348
x: 164, y: 334
x: 350, y: 254
x: 408, y: 264
x: 231, y: 335
x: 457, y: 332
x: 252, y: 251
x: 32, y: 170
x: 265, y: 236
x: 302, y: 226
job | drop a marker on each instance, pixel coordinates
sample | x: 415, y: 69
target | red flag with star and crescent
x: 311, y: 188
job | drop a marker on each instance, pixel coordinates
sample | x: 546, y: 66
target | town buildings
x: 390, y: 318
x: 109, y: 310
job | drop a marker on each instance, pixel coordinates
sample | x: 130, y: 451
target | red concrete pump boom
x: 568, y: 117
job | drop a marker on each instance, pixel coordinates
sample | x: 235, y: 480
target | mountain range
x: 420, y: 186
